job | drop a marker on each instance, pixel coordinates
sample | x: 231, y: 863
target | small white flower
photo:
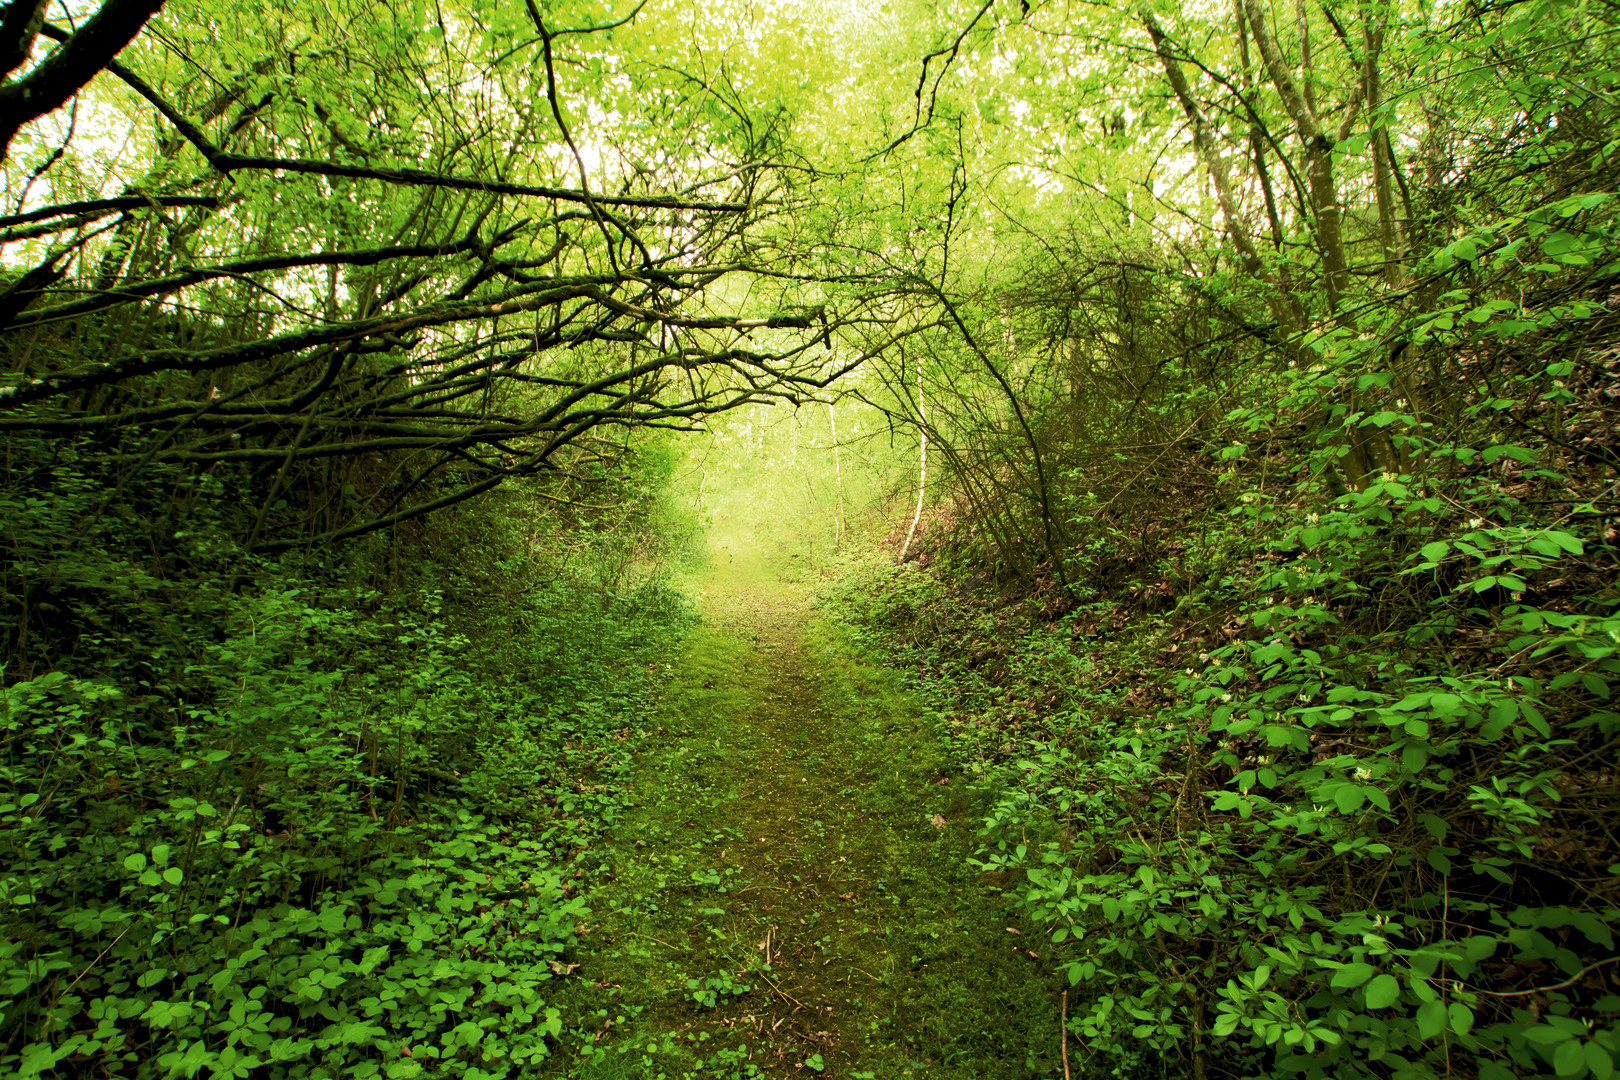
x: 1476, y: 523
x: 1363, y: 774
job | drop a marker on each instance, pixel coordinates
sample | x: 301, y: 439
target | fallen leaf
x: 561, y: 969
x: 937, y: 822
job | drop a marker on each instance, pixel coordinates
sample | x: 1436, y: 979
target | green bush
x: 264, y: 819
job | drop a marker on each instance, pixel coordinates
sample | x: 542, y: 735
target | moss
x: 798, y: 856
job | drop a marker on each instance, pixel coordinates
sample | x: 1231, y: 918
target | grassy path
x: 790, y: 896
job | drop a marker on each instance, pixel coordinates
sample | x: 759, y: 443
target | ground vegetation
x: 1273, y: 588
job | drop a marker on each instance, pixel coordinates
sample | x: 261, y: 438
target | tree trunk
x: 1284, y: 308
x: 1318, y: 158
x: 1209, y: 152
x: 1389, y: 232
x: 838, y: 479
x: 922, y: 463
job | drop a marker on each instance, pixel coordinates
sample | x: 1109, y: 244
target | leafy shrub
x: 1345, y: 820
x: 260, y: 822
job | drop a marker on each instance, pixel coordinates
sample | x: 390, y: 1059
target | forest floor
x: 790, y: 894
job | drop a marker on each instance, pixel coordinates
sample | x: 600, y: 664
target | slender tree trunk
x: 1283, y: 308
x: 838, y: 479
x: 1257, y: 138
x: 1358, y: 461
x: 1050, y: 527
x: 1307, y: 86
x: 922, y: 463
x: 1389, y: 232
x: 1318, y: 157
x: 1209, y: 152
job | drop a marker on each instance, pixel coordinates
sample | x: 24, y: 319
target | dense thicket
x: 294, y: 779
x: 312, y: 817
x: 1291, y: 679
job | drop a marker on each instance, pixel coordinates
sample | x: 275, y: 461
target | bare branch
x: 59, y: 76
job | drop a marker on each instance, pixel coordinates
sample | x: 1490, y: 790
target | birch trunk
x: 838, y: 479
x: 922, y: 464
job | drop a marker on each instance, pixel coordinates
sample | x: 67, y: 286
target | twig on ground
x: 781, y: 991
x: 649, y: 937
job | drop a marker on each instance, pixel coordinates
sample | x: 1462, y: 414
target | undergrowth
x: 295, y: 819
x: 1302, y: 741
x: 1338, y: 803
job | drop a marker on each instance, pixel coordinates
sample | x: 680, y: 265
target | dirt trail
x: 791, y: 895
x: 823, y: 903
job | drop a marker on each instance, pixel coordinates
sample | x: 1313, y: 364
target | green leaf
x: 1348, y: 798
x: 1599, y: 1061
x: 1383, y: 991
x: 1547, y: 1035
x: 1517, y: 453
x: 1436, y: 826
x: 1431, y: 1019
x: 135, y: 863
x: 1434, y: 551
x: 173, y: 875
x: 1352, y: 975
x: 1461, y: 1017
x: 1557, y: 244
x: 1569, y: 1060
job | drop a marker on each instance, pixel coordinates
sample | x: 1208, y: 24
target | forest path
x: 790, y: 895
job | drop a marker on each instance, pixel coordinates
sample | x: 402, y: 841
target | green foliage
x: 1271, y: 605
x: 1349, y: 819
x: 259, y: 821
